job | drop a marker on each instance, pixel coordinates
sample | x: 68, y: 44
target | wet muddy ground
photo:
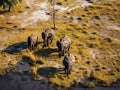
x: 23, y: 81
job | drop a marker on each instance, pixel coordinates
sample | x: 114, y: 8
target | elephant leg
x: 59, y: 55
x: 29, y: 45
x: 36, y: 44
x: 69, y: 48
x: 43, y: 45
x: 48, y: 44
x: 51, y: 40
x: 32, y: 47
x: 69, y: 69
x: 67, y: 72
x: 63, y: 53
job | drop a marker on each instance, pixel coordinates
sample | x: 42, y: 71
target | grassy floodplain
x: 95, y: 34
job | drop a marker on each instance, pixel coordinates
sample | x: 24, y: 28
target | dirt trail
x: 37, y: 11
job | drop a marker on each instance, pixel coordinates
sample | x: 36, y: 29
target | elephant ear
x: 50, y: 35
x: 65, y: 62
x: 43, y: 35
x: 28, y: 41
x: 58, y: 44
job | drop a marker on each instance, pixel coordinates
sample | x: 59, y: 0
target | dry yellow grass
x: 96, y: 53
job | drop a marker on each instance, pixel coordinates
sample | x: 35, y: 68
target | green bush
x: 8, y: 3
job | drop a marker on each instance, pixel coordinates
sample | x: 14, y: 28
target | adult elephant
x: 32, y: 41
x: 47, y: 36
x: 68, y: 62
x: 63, y: 45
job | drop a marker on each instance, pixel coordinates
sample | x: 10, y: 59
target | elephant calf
x: 47, y: 36
x: 63, y: 45
x: 32, y: 41
x: 68, y: 62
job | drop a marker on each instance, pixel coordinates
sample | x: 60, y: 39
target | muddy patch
x: 110, y: 33
x: 112, y: 27
x: 95, y: 53
x: 60, y: 7
x: 23, y: 81
x: 18, y: 81
x: 23, y: 66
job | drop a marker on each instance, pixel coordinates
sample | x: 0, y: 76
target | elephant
x: 47, y: 36
x: 68, y: 62
x: 32, y: 41
x: 63, y: 45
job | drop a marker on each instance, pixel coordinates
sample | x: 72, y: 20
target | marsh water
x: 23, y: 81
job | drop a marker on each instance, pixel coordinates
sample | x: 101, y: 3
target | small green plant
x: 89, y: 84
x: 2, y: 72
x: 108, y: 40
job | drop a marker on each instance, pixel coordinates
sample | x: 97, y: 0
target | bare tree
x: 54, y: 13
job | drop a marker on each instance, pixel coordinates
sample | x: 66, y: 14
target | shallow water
x: 23, y: 81
x: 17, y: 81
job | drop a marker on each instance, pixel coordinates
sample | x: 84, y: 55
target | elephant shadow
x: 16, y: 48
x: 46, y: 52
x: 48, y: 72
x: 3, y: 12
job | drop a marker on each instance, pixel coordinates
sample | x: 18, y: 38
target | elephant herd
x: 63, y: 45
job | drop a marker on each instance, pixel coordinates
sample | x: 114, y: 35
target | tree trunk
x: 54, y: 22
x: 4, y: 7
x: 9, y: 8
